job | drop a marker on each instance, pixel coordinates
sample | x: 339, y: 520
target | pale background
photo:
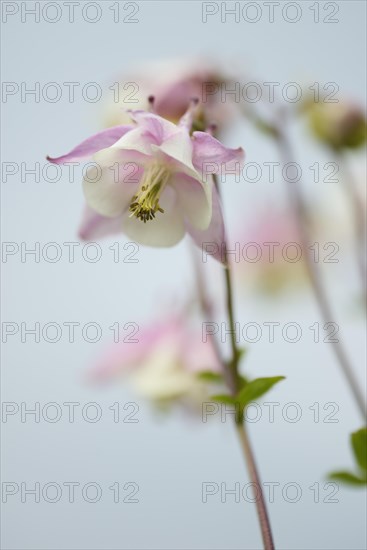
x: 168, y: 458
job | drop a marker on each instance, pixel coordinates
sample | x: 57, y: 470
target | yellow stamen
x: 145, y: 204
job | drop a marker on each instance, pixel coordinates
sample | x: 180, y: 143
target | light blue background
x: 170, y: 458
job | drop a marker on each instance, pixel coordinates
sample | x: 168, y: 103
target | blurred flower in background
x: 270, y: 254
x: 332, y: 213
x: 173, y: 83
x: 340, y: 125
x: 164, y: 362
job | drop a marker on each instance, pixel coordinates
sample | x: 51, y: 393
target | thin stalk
x: 207, y: 311
x: 232, y: 376
x: 261, y: 508
x: 262, y: 513
x: 358, y: 215
x: 299, y: 208
x: 233, y: 363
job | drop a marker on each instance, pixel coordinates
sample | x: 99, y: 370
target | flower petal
x: 95, y: 143
x: 177, y: 150
x: 212, y: 240
x: 110, y: 184
x: 164, y: 377
x: 94, y: 226
x: 195, y: 199
x: 121, y: 357
x: 153, y: 125
x: 212, y: 157
x: 165, y: 230
x: 136, y: 140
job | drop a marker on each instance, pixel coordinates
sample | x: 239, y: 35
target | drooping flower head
x: 155, y: 179
x: 173, y: 82
x: 165, y: 364
x: 270, y: 254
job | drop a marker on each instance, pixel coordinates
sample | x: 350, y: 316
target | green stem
x: 260, y: 502
x: 240, y: 425
x: 299, y: 208
x: 358, y: 215
x: 233, y: 363
x: 233, y: 378
x: 206, y: 308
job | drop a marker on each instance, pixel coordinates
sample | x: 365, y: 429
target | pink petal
x: 94, y: 226
x: 122, y: 356
x: 198, y: 355
x: 137, y: 140
x: 158, y: 128
x: 91, y: 145
x: 212, y: 240
x: 210, y: 156
x: 172, y: 98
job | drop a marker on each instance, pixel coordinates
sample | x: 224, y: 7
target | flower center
x: 145, y: 204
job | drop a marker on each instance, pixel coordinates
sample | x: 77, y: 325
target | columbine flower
x: 154, y: 180
x: 164, y: 365
x: 173, y: 83
x: 270, y: 255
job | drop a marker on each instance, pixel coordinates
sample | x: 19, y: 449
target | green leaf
x: 359, y: 444
x: 243, y: 381
x: 241, y: 353
x: 348, y: 478
x: 210, y: 376
x: 257, y: 388
x: 224, y: 398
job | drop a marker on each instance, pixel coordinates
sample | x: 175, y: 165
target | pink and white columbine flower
x: 164, y: 365
x: 155, y: 180
x: 271, y: 252
x: 173, y: 82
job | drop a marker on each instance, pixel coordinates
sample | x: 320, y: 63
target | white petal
x: 195, y: 199
x: 110, y: 184
x: 177, y: 151
x: 163, y: 377
x: 166, y: 229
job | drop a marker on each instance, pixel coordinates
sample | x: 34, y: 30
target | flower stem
x: 240, y: 424
x: 299, y: 208
x: 260, y: 503
x: 233, y: 381
x: 358, y: 216
x: 207, y: 311
x: 233, y: 363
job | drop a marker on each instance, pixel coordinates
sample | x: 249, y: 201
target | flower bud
x: 338, y: 125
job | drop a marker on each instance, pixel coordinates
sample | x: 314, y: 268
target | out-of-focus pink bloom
x: 165, y: 362
x: 173, y: 83
x: 270, y: 253
x: 155, y: 180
